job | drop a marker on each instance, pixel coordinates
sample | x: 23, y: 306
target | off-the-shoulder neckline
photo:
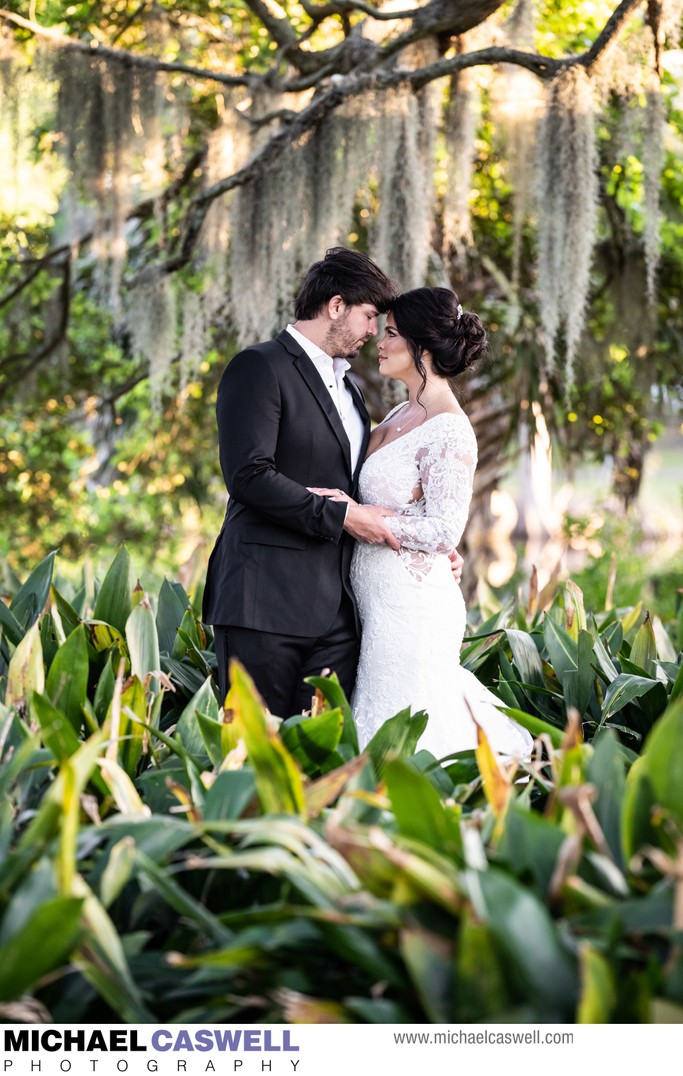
x: 441, y: 414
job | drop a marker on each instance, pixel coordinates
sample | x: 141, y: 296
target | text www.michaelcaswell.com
x: 460, y: 1037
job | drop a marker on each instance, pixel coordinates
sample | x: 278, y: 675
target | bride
x: 420, y: 465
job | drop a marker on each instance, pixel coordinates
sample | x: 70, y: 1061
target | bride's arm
x: 446, y: 466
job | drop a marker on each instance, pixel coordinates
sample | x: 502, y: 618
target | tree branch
x: 123, y: 56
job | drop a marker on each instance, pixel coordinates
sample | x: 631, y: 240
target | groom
x: 277, y: 590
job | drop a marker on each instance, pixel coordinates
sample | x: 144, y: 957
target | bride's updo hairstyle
x: 432, y: 319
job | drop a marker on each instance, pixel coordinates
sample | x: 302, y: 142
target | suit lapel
x: 315, y: 383
x: 363, y: 411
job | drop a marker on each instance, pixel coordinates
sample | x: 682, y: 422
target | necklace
x: 403, y: 425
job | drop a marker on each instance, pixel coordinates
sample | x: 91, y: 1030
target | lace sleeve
x: 435, y: 519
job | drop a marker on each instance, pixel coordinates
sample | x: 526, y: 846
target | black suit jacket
x: 282, y: 557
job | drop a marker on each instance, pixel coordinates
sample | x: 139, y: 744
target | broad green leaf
x: 602, y: 656
x: 526, y: 657
x: 429, y: 961
x: 278, y: 780
x: 644, y: 648
x: 104, y: 692
x: 143, y: 644
x: 170, y: 612
x: 526, y: 934
x: 330, y: 688
x: 586, y: 675
x: 67, y: 680
x: 666, y: 651
x: 26, y: 672
x: 535, y: 725
x: 418, y: 809
x: 189, y: 634
x: 481, y: 982
x: 31, y: 598
x: 188, y: 728
x: 115, y: 598
x: 662, y: 760
x: 67, y: 614
x: 530, y: 844
x: 102, y: 960
x: 45, y: 943
x: 181, y: 901
x: 598, y: 997
x: 575, y: 609
x: 562, y: 649
x: 396, y: 738
x: 623, y: 690
x: 606, y: 771
x: 631, y: 618
x: 44, y: 825
x: 230, y: 794
x: 10, y: 625
x: 118, y: 871
x: 56, y: 730
x: 313, y: 741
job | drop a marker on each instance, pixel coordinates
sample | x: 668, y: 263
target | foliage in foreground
x: 181, y: 863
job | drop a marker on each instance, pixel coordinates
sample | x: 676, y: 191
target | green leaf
x: 562, y: 650
x: 430, y: 963
x: 396, y: 738
x: 10, y: 625
x: 526, y: 934
x: 602, y: 656
x: 598, y: 997
x: 606, y: 770
x: 30, y: 600
x: 26, y: 672
x: 313, y: 741
x: 535, y: 725
x: 526, y: 657
x: 42, y: 945
x: 115, y: 598
x: 574, y: 603
x: 644, y: 648
x: 170, y: 612
x: 143, y: 644
x: 418, y: 809
x: 188, y: 727
x: 624, y: 690
x: 662, y: 760
x: 333, y: 693
x: 67, y: 680
x: 278, y: 780
x: 586, y: 675
x: 229, y: 795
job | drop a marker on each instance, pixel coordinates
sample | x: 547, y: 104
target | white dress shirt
x: 332, y: 371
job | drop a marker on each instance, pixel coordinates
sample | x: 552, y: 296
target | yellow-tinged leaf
x: 574, y: 595
x: 598, y: 989
x: 279, y: 782
x: 122, y: 788
x: 630, y: 619
x: 26, y: 672
x: 494, y: 778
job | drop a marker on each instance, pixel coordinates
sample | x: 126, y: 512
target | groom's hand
x: 367, y: 523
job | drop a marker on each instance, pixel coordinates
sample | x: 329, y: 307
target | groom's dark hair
x: 348, y: 273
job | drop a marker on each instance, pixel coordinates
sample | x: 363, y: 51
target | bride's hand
x: 333, y: 494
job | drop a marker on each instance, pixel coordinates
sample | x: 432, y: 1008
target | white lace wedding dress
x: 412, y: 611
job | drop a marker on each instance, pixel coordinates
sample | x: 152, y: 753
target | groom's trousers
x: 278, y: 664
